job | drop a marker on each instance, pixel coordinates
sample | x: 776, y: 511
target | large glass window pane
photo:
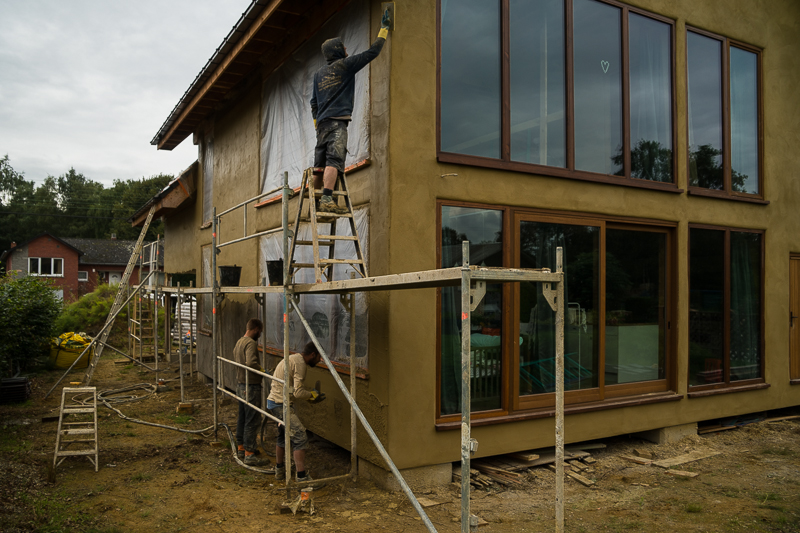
x: 538, y: 132
x: 581, y: 245
x: 745, y: 324
x: 704, y: 57
x: 483, y: 228
x: 33, y: 265
x: 58, y: 266
x: 651, y: 99
x: 636, y: 271
x: 470, y: 77
x: 744, y: 121
x: 706, y: 301
x: 598, y: 87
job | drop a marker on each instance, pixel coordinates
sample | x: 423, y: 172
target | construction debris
x: 686, y: 458
x: 681, y: 473
x: 637, y: 460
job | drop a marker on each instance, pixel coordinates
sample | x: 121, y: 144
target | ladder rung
x: 80, y: 389
x: 87, y: 431
x: 71, y: 410
x: 341, y: 262
x: 311, y: 243
x: 303, y: 265
x: 63, y: 453
x: 331, y: 215
x: 77, y: 423
x: 338, y: 237
x: 65, y: 442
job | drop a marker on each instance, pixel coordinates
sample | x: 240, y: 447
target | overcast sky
x: 88, y: 83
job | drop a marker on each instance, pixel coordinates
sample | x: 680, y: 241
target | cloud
x: 88, y: 83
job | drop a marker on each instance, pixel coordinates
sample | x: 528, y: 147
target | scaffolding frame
x: 471, y: 279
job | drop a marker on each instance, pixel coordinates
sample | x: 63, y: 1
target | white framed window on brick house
x: 83, y: 275
x: 46, y: 266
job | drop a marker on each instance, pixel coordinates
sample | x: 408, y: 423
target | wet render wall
x: 416, y: 182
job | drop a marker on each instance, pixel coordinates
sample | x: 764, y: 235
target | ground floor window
x: 83, y: 275
x: 618, y: 308
x: 725, y: 306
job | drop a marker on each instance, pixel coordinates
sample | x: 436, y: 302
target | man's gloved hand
x: 316, y: 396
x: 386, y: 21
x: 315, y: 123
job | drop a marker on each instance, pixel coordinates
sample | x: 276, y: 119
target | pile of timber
x: 508, y: 470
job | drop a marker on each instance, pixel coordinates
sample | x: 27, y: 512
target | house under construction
x: 650, y: 142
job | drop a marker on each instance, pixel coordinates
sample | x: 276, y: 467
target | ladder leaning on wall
x: 323, y: 266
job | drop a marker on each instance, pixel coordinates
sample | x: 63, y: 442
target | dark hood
x: 333, y: 49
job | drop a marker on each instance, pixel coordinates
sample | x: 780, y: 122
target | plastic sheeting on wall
x: 287, y: 129
x: 206, y: 300
x: 329, y: 320
x: 208, y: 178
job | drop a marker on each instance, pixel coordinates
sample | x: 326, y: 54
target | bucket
x: 275, y: 272
x: 229, y: 276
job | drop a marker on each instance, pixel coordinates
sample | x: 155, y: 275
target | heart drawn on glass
x: 604, y: 65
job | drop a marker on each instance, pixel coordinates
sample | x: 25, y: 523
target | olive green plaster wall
x: 416, y: 181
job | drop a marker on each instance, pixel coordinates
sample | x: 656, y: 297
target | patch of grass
x: 183, y: 419
x: 10, y: 442
x: 694, y: 508
x: 141, y: 477
x: 768, y: 497
x: 145, y: 514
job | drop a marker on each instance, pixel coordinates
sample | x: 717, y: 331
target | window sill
x: 722, y: 195
x: 555, y: 172
x: 631, y: 401
x: 727, y: 390
x: 204, y: 332
x: 205, y: 225
x: 341, y: 368
x: 794, y: 382
x: 349, y: 170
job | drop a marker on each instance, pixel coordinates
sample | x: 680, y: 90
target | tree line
x: 72, y: 206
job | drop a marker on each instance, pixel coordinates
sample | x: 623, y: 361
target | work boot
x: 240, y: 453
x: 327, y: 205
x: 253, y: 460
x: 315, y: 486
x: 280, y: 472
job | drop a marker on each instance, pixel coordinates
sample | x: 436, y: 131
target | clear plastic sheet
x: 208, y: 178
x: 326, y: 315
x: 287, y: 129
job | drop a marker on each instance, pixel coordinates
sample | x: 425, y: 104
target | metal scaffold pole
x: 214, y: 327
x: 466, y: 439
x: 560, y: 394
x: 287, y: 294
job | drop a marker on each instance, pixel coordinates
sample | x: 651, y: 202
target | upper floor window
x: 526, y: 96
x: 724, y: 127
x: 45, y: 266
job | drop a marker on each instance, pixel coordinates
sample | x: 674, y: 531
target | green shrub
x: 29, y: 306
x: 90, y: 312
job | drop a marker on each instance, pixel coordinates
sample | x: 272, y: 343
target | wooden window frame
x: 513, y: 406
x: 726, y: 192
x: 52, y: 264
x: 697, y: 391
x: 202, y: 301
x: 505, y: 162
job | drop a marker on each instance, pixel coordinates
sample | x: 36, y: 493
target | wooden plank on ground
x: 580, y: 479
x: 681, y: 473
x: 524, y: 456
x: 425, y: 502
x: 586, y: 446
x: 685, y: 458
x: 637, y: 460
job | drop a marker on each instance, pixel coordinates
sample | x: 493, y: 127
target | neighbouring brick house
x: 77, y: 266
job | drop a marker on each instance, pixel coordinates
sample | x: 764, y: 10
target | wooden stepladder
x: 323, y: 266
x: 82, y: 430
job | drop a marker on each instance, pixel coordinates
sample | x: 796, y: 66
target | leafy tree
x: 89, y: 313
x: 30, y: 306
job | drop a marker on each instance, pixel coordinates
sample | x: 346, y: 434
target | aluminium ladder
x: 119, y: 299
x: 323, y: 266
x: 85, y: 430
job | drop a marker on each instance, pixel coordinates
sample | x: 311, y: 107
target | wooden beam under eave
x: 221, y: 67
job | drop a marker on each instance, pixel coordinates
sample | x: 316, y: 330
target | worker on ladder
x: 332, y: 109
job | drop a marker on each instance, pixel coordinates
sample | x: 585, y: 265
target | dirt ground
x: 154, y: 479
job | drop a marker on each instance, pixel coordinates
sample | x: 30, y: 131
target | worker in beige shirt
x: 298, y: 366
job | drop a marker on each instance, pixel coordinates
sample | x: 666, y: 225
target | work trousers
x: 249, y: 420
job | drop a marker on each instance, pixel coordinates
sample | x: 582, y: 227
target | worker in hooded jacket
x: 332, y: 99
